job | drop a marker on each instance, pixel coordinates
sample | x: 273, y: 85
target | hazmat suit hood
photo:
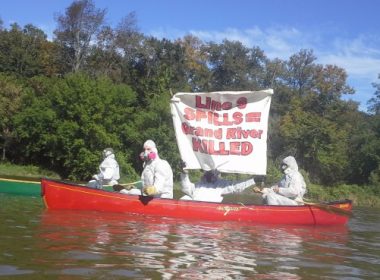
x: 291, y: 163
x: 152, y: 154
x: 107, y: 152
x: 150, y: 144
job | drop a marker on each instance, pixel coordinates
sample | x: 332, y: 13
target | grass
x: 25, y: 171
x: 368, y: 196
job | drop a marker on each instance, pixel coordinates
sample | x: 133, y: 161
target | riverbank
x: 27, y: 171
x: 367, y: 196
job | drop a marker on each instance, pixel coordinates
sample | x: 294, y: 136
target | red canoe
x: 63, y: 195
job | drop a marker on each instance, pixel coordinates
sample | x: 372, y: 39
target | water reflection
x: 119, y: 245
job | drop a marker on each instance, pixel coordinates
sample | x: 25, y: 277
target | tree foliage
x: 75, y: 30
x: 374, y: 102
x: 65, y: 123
x: 26, y: 52
x: 11, y: 91
x: 319, y: 144
x: 235, y: 67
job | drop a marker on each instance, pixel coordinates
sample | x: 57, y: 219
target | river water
x: 36, y: 243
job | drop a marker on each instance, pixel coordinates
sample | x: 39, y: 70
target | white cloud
x: 277, y: 43
x: 361, y: 60
x: 359, y: 56
x: 357, y: 65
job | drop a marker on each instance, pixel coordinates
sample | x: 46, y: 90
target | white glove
x: 96, y: 177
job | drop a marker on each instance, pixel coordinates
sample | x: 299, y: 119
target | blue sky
x: 345, y: 33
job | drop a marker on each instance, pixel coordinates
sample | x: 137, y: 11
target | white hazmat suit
x: 109, y: 173
x: 157, y: 174
x: 211, y: 190
x: 291, y: 187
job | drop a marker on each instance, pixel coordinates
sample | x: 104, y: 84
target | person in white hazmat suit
x: 157, y: 176
x: 211, y: 188
x: 109, y: 173
x: 291, y: 188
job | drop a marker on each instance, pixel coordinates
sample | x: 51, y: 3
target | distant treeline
x: 94, y: 86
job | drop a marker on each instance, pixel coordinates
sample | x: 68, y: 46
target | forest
x: 63, y: 100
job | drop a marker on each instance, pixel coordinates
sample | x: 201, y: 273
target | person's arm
x: 291, y: 188
x: 187, y: 186
x: 107, y: 169
x: 107, y: 173
x: 238, y: 186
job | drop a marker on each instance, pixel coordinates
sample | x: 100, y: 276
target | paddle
x: 128, y: 186
x: 330, y: 208
x: 322, y: 206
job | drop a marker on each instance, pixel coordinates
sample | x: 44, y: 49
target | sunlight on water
x: 94, y: 245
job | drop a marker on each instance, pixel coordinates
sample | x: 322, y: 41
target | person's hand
x: 275, y: 189
x: 96, y: 177
x: 256, y: 190
x: 150, y: 190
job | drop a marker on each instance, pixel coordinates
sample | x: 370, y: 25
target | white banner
x: 226, y: 130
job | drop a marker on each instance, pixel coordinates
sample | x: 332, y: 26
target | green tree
x: 112, y: 47
x: 26, y: 52
x: 195, y: 63
x: 235, y: 67
x: 364, y: 147
x: 127, y: 36
x: 104, y: 58
x: 66, y: 123
x: 156, y: 62
x: 11, y: 91
x: 76, y: 29
x: 300, y: 71
x: 312, y: 117
x: 374, y: 102
x: 319, y: 145
x: 371, y: 146
x: 154, y: 122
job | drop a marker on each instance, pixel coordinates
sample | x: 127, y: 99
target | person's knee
x: 271, y: 201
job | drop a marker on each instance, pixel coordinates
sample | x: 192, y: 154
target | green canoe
x: 32, y: 186
x: 23, y: 186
